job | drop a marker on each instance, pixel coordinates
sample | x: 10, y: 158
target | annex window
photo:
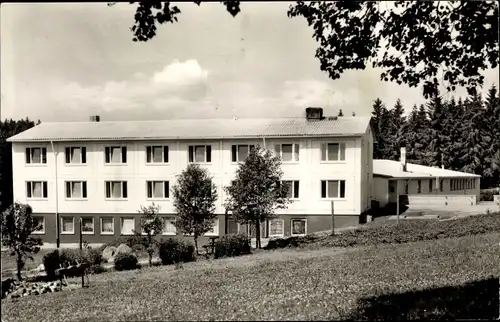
x: 293, y: 189
x: 200, y: 153
x: 431, y: 185
x: 168, y: 226
x: 333, y: 152
x: 299, y: 227
x: 115, y: 154
x: 157, y: 154
x: 333, y: 189
x: 157, y: 189
x: 107, y: 225
x: 276, y: 228
x: 127, y: 226
x: 441, y: 182
x: 419, y: 186
x: 36, y: 190
x: 76, y: 189
x: 76, y: 155
x: 87, y: 225
x: 40, y: 225
x: 36, y: 155
x: 116, y: 189
x: 240, y: 152
x: 288, y: 152
x: 406, y: 187
x: 67, y: 225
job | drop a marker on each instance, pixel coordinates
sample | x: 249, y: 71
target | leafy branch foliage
x: 18, y: 224
x: 418, y: 43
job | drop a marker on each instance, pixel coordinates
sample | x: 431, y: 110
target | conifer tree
x: 436, y: 154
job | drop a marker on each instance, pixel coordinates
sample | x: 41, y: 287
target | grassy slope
x: 285, y: 285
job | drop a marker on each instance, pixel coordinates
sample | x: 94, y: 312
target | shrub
x: 134, y: 242
x: 70, y: 257
x: 173, y: 251
x: 232, y: 245
x: 487, y: 195
x: 125, y: 262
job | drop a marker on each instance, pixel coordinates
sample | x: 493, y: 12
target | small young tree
x: 194, y: 198
x: 151, y: 226
x: 17, y: 225
x: 256, y: 192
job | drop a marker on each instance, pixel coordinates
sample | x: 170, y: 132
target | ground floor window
x: 67, y: 225
x: 168, y: 226
x: 87, y: 225
x: 215, y: 229
x: 128, y: 226
x: 107, y: 226
x: 276, y: 228
x: 40, y: 225
x: 299, y: 227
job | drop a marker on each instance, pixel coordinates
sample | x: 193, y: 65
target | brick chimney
x: 314, y: 113
x: 95, y: 118
x: 403, y: 159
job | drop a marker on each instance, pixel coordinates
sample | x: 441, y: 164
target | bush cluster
x: 134, y: 242
x: 125, y: 262
x: 70, y: 257
x: 391, y: 233
x: 172, y: 250
x: 232, y: 245
x: 487, y: 195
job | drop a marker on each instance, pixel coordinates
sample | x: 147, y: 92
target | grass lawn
x: 9, y: 262
x: 291, y: 284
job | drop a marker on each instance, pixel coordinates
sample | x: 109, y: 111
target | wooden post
x: 81, y: 252
x: 333, y: 218
x: 397, y: 204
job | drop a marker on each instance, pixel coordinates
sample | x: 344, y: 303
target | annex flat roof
x: 194, y: 129
x: 392, y: 169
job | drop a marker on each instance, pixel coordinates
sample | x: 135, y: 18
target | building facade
x: 103, y: 172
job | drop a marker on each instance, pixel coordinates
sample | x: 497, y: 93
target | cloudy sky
x: 65, y: 62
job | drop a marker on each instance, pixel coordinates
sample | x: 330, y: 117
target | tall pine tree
x: 491, y: 174
x: 436, y: 154
x: 380, y: 120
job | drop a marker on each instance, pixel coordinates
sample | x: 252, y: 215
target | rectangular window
x: 107, y: 226
x: 200, y: 153
x: 419, y: 186
x: 76, y: 155
x: 36, y: 190
x: 116, y: 189
x: 431, y: 185
x: 157, y: 154
x: 239, y: 153
x: 157, y: 189
x: 67, y: 225
x: 406, y: 187
x: 288, y: 152
x: 215, y: 229
x: 127, y: 226
x: 441, y: 181
x: 40, y: 225
x: 87, y: 225
x: 299, y: 227
x: 333, y: 189
x: 276, y: 228
x: 76, y: 189
x: 332, y: 151
x: 168, y: 226
x: 36, y: 155
x: 293, y: 189
x: 115, y: 154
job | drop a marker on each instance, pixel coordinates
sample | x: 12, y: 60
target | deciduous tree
x: 256, y: 193
x: 194, y: 199
x: 18, y: 224
x: 151, y: 226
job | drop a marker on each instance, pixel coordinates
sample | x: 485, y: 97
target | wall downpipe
x: 58, y: 243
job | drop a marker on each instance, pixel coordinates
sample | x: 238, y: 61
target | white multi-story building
x: 103, y: 172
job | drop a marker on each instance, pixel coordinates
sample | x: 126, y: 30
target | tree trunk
x: 19, y: 262
x: 257, y: 234
x: 196, y: 244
